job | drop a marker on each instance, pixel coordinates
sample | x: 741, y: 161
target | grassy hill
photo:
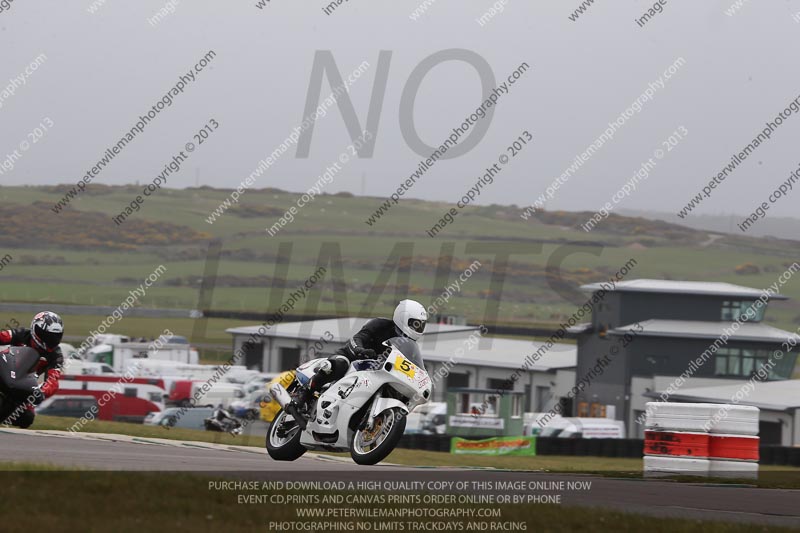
x: 771, y: 226
x: 81, y: 256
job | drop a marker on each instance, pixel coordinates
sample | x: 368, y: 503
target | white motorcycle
x: 364, y: 412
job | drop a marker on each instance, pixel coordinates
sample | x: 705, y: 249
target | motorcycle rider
x: 409, y: 320
x: 44, y: 336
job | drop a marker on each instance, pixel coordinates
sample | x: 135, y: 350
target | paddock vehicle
x: 250, y: 406
x: 153, y: 367
x: 66, y: 406
x: 363, y: 413
x: 428, y: 418
x: 77, y: 367
x: 179, y: 417
x: 121, y: 353
x: 183, y: 391
x: 270, y: 407
x: 119, y: 398
x: 584, y: 428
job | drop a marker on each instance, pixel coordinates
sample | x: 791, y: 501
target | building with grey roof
x: 284, y: 346
x: 456, y: 356
x: 661, y: 337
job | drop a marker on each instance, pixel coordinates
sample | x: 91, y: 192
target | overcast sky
x: 103, y: 70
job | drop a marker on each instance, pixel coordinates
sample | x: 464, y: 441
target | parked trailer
x: 151, y: 367
x: 78, y: 367
x: 169, y: 370
x: 121, y: 356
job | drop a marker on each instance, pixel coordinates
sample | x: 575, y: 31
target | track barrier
x: 694, y: 439
x: 768, y: 455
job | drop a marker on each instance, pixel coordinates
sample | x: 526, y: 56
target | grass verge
x: 135, y: 502
x: 782, y: 477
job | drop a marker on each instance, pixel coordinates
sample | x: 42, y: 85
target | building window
x: 720, y: 365
x: 733, y: 309
x: 289, y: 358
x: 254, y: 355
x: 748, y: 362
x: 729, y: 362
x: 745, y: 363
x: 543, y: 396
x: 598, y: 410
x: 516, y: 406
x: 735, y: 364
x: 456, y: 381
x: 477, y: 403
x: 499, y: 384
x: 566, y: 406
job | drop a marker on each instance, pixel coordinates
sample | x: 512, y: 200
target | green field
x: 80, y: 257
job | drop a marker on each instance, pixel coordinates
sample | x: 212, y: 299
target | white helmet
x: 410, y: 318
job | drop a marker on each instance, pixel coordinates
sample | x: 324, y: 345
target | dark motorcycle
x: 18, y: 381
x: 222, y: 421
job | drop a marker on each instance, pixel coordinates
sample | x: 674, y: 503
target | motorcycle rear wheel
x: 373, y: 446
x: 287, y: 447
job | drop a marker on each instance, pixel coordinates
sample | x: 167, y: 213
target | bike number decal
x: 403, y: 365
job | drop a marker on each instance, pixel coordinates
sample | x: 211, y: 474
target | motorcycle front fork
x: 292, y: 409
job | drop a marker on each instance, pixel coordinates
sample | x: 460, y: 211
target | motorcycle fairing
x: 17, y: 368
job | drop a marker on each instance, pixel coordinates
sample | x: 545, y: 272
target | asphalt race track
x: 657, y: 498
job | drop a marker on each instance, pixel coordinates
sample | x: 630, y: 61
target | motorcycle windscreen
x: 410, y: 350
x: 16, y: 368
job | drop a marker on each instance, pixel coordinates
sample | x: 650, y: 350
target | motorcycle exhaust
x: 280, y: 394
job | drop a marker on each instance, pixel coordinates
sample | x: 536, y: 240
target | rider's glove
x: 324, y: 367
x: 366, y: 353
x: 37, y: 397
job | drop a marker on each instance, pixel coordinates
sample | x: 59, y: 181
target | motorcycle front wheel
x: 283, y: 438
x: 371, y: 446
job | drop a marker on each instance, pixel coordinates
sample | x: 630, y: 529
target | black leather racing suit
x: 366, y: 344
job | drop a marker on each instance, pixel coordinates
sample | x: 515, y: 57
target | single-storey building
x: 456, y: 356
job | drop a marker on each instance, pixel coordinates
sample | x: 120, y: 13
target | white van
x: 219, y: 394
x: 428, y: 418
x: 434, y: 421
x: 584, y: 428
x: 69, y: 351
x: 240, y: 374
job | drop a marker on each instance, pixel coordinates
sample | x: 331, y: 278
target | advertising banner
x: 482, y: 422
x: 494, y: 446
